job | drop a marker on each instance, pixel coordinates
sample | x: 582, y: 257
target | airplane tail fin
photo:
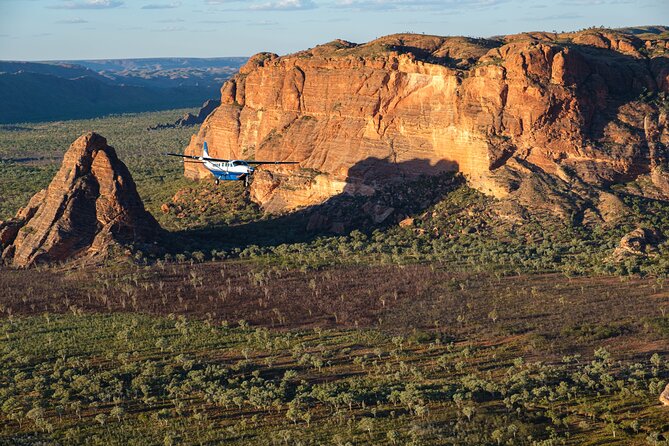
x: 205, y: 150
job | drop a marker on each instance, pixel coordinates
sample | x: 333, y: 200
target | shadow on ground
x: 402, y: 189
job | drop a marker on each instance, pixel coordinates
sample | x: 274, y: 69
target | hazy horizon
x: 123, y: 58
x: 55, y: 30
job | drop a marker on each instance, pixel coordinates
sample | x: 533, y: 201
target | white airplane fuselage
x: 229, y: 170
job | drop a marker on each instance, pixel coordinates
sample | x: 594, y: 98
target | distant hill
x: 167, y: 72
x: 62, y: 70
x: 655, y: 30
x: 43, y: 91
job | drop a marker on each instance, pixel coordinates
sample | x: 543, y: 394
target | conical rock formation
x: 90, y: 205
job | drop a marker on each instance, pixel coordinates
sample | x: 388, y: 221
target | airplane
x: 227, y: 170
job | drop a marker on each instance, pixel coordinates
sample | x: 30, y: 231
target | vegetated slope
x: 651, y: 31
x: 56, y: 91
x: 549, y: 120
x: 190, y: 119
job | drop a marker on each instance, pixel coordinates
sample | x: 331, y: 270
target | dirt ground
x: 549, y: 312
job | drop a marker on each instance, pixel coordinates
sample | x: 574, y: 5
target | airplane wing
x: 199, y: 158
x: 206, y: 158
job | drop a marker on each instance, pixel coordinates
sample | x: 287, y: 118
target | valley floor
x: 250, y: 330
x: 241, y: 353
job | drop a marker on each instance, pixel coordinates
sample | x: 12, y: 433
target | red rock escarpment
x: 562, y: 111
x: 90, y: 205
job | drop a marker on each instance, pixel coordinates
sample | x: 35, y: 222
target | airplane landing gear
x: 217, y: 182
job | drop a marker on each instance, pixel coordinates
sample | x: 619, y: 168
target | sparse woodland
x: 457, y: 329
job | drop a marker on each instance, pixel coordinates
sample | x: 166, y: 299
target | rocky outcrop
x: 540, y: 117
x: 90, y: 205
x: 639, y: 242
x: 664, y: 396
x: 189, y: 119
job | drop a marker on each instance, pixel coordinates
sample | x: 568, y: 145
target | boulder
x: 640, y: 241
x: 317, y: 222
x: 377, y: 212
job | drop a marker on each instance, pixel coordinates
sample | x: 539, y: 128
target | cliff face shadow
x: 618, y: 78
x: 400, y: 190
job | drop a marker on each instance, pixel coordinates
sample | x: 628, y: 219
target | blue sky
x: 97, y: 29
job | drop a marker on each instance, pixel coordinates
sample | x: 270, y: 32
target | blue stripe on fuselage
x: 228, y: 176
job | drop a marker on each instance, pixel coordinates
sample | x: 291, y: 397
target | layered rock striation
x: 519, y: 116
x: 90, y: 205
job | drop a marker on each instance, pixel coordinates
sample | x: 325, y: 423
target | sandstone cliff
x: 90, y: 205
x: 548, y: 119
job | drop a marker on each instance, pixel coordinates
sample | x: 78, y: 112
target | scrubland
x: 246, y: 329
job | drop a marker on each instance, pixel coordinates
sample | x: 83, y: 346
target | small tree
x: 498, y: 436
x: 293, y: 412
x: 366, y: 424
x: 469, y: 412
x: 306, y: 416
x: 101, y: 418
x: 656, y: 361
x: 118, y: 412
x: 14, y: 410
